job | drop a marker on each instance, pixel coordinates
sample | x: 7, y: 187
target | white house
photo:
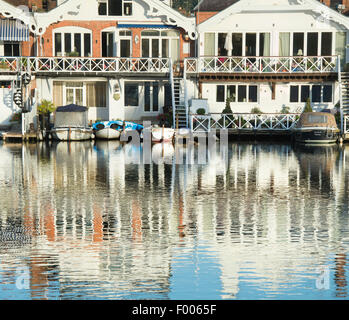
x: 270, y: 54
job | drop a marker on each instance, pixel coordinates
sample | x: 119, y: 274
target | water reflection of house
x: 95, y: 225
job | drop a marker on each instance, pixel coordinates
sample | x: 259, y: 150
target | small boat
x: 71, y: 124
x: 162, y: 134
x: 112, y: 129
x: 315, y: 128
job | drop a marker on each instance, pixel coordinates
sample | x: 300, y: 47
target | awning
x: 13, y: 30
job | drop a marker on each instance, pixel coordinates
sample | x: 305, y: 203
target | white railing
x: 9, y: 64
x: 346, y: 124
x: 73, y: 64
x: 296, y: 64
x: 244, y: 121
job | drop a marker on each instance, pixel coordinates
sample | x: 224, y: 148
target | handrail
x: 89, y: 64
x: 270, y: 64
x: 239, y: 121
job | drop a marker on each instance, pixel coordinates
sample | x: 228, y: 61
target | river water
x: 79, y: 221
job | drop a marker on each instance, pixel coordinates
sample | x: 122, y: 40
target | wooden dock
x: 17, y: 136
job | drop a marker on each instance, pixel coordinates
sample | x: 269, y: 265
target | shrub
x: 201, y: 111
x: 308, y: 107
x: 256, y: 110
x: 46, y: 107
x: 285, y: 109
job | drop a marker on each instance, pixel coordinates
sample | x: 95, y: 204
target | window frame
x: 228, y: 88
x: 311, y: 85
x: 125, y: 4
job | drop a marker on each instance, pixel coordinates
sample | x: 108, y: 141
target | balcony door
x: 108, y: 44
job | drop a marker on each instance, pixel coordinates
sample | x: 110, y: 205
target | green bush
x: 256, y: 110
x: 201, y: 111
x: 308, y: 107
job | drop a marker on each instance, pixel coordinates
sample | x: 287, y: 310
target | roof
x: 71, y: 108
x: 214, y: 5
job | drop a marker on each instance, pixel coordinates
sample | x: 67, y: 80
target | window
x: 252, y: 94
x: 298, y: 44
x: 11, y: 49
x: 107, y: 44
x: 221, y: 44
x: 220, y: 94
x: 66, y: 43
x: 151, y: 97
x: 231, y: 93
x: 242, y: 93
x: 131, y: 95
x: 251, y: 44
x: 90, y: 94
x: 326, y: 44
x: 264, y: 44
x: 96, y: 94
x: 294, y: 96
x: 312, y: 44
x: 237, y: 44
x: 164, y: 44
x: 237, y: 93
x: 168, y: 95
x: 305, y: 93
x: 327, y: 93
x: 317, y: 93
x: 115, y: 7
x: 316, y: 119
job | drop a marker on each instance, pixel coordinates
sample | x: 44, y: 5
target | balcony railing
x: 84, y: 65
x: 323, y: 64
x: 244, y: 121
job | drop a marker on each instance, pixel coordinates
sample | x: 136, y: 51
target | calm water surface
x: 269, y: 223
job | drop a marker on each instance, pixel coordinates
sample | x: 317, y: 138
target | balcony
x: 72, y: 65
x: 262, y: 65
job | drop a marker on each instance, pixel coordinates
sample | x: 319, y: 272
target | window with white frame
x: 237, y: 93
x: 305, y: 44
x: 90, y: 93
x: 72, y: 43
x: 161, y: 44
x: 242, y: 44
x: 115, y: 7
x: 317, y: 93
x: 125, y: 47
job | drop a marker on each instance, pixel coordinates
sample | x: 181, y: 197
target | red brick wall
x: 96, y: 27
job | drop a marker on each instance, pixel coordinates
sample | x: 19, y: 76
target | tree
x: 308, y: 107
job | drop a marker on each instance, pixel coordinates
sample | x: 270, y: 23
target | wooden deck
x: 17, y: 136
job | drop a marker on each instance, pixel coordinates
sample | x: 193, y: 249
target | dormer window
x: 115, y: 7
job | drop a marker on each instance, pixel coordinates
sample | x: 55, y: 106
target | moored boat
x: 112, y: 129
x: 71, y: 124
x: 316, y: 128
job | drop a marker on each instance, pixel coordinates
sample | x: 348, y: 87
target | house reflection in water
x: 103, y: 227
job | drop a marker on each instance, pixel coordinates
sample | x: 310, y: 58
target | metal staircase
x: 180, y: 113
x: 345, y: 92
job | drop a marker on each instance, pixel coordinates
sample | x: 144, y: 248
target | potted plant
x: 44, y: 109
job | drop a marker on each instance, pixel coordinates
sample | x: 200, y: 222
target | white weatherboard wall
x: 264, y: 99
x: 45, y: 91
